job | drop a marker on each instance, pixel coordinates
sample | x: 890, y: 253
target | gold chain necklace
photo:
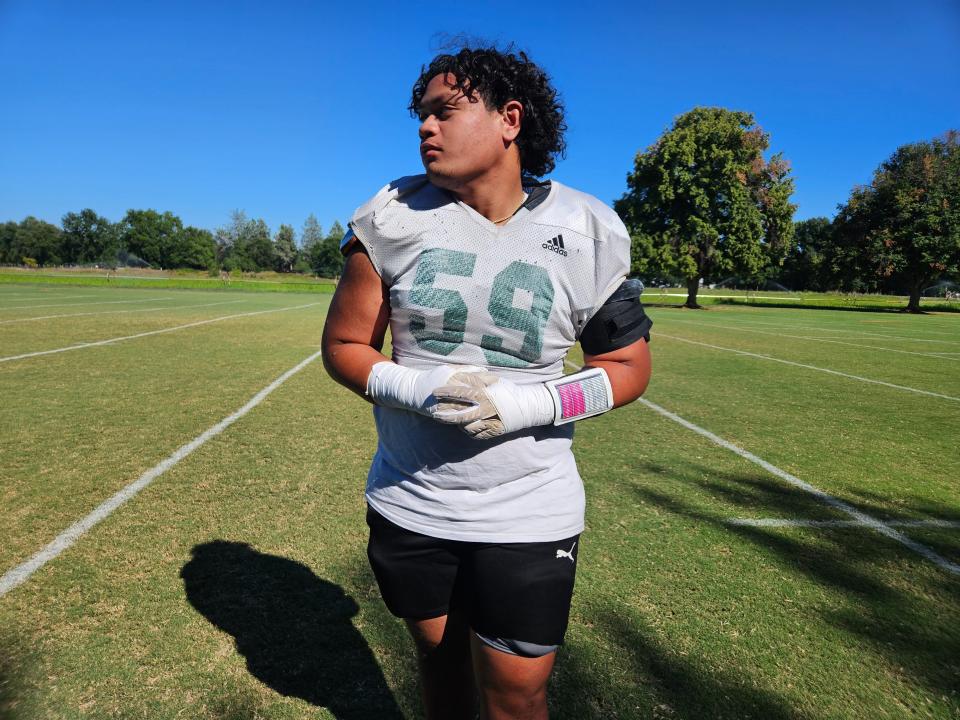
x: 497, y: 222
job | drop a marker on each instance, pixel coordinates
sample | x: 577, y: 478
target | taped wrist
x: 580, y: 395
x: 521, y: 406
x: 394, y: 386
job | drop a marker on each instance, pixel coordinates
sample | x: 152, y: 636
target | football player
x: 486, y: 277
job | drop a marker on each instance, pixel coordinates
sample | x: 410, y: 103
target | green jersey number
x: 517, y: 275
x: 535, y: 280
x: 449, y: 262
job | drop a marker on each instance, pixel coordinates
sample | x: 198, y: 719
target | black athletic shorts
x: 519, y: 591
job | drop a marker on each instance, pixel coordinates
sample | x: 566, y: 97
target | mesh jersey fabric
x: 512, y: 298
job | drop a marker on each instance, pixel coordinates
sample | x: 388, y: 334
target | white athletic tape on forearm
x: 521, y: 406
x: 580, y: 395
x: 395, y: 386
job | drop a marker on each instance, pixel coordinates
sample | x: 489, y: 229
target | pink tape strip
x: 572, y: 402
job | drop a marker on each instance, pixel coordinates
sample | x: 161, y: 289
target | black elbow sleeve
x: 619, y: 322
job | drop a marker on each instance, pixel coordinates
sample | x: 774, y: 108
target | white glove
x: 394, y: 386
x: 486, y: 406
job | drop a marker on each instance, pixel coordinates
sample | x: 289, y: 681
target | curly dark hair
x: 499, y: 76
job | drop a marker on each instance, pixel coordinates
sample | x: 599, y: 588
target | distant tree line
x: 147, y: 238
x: 704, y: 206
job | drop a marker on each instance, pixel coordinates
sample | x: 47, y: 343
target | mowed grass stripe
x: 92, y: 302
x: 845, y: 330
x: 859, y: 516
x: 19, y: 574
x: 265, y: 519
x: 883, y: 450
x: 111, y: 341
x: 787, y: 522
x: 745, y: 622
x: 928, y: 374
x: 54, y: 297
x: 238, y: 586
x: 809, y: 367
x: 832, y: 341
x: 21, y: 336
x: 912, y: 327
x: 79, y: 426
x: 119, y: 312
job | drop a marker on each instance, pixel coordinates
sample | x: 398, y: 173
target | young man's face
x: 460, y: 139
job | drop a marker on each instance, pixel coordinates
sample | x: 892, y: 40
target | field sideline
x: 773, y: 532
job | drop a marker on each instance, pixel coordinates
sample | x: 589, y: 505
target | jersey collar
x: 537, y: 193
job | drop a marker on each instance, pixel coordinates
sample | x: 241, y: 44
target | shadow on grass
x: 664, y: 684
x: 943, y: 540
x: 293, y: 628
x: 9, y: 679
x: 911, y: 617
x: 823, y: 561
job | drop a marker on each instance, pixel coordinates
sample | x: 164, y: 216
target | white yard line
x: 780, y: 522
x: 926, y: 330
x: 68, y: 537
x: 701, y: 296
x: 103, y: 302
x: 740, y: 328
x: 808, y: 367
x: 35, y: 296
x: 117, y: 312
x: 833, y: 502
x: 63, y: 297
x: 821, y: 328
x: 152, y: 332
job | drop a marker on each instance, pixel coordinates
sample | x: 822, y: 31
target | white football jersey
x: 512, y: 298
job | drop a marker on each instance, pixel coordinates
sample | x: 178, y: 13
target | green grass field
x: 179, y: 279
x: 235, y: 585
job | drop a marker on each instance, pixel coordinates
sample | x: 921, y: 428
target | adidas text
x: 555, y: 244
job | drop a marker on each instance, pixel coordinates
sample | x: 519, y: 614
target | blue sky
x: 290, y: 108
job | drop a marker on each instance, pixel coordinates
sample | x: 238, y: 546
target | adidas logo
x: 555, y: 244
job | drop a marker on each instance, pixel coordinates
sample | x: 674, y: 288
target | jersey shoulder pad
x: 388, y: 193
x: 586, y: 214
x: 386, y: 223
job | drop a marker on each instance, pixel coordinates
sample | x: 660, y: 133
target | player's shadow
x: 293, y: 628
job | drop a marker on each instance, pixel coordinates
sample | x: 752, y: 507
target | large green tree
x: 903, y: 230
x: 245, y: 244
x: 196, y: 249
x: 807, y: 265
x: 161, y: 240
x: 703, y: 202
x: 152, y: 236
x: 33, y: 238
x: 8, y: 236
x: 258, y: 248
x: 88, y: 237
x: 326, y: 260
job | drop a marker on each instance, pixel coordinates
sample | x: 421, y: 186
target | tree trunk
x: 693, y: 284
x: 914, y: 305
